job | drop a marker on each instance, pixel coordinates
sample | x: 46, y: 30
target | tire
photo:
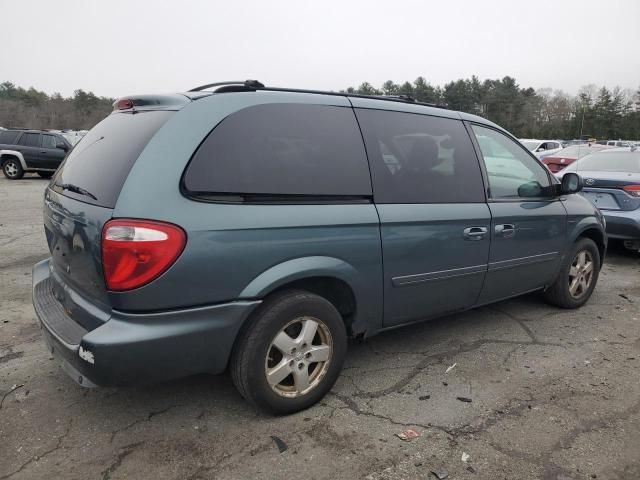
x: 568, y: 291
x: 46, y: 174
x: 12, y: 169
x: 281, y: 319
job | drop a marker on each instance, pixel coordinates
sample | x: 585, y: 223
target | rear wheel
x: 578, y: 276
x: 291, y: 353
x: 46, y: 174
x: 12, y: 169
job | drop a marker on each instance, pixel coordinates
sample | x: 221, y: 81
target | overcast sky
x: 119, y: 47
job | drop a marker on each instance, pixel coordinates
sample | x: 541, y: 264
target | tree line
x: 527, y: 113
x: 31, y: 108
x: 544, y: 113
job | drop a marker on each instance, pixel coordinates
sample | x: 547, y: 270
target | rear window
x: 577, y: 151
x: 8, y: 137
x: 100, y: 163
x: 282, y: 150
x: 611, y: 162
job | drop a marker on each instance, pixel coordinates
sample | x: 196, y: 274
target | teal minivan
x: 252, y: 229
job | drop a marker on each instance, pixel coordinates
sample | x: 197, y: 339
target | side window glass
x: 30, y: 140
x: 511, y: 170
x: 8, y: 137
x: 283, y: 149
x: 420, y: 158
x: 48, y: 141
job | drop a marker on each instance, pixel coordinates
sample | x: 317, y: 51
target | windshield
x: 611, y: 162
x: 531, y: 146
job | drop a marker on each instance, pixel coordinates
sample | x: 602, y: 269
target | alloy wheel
x: 299, y: 357
x: 11, y: 169
x: 581, y: 274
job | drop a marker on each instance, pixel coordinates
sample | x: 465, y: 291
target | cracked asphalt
x: 554, y: 395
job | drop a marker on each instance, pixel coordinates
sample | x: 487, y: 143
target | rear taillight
x: 135, y: 252
x: 633, y: 190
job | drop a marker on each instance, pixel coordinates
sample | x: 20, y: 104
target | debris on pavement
x: 440, y: 473
x: 282, y: 447
x: 464, y: 399
x: 465, y: 457
x: 408, y: 435
x: 424, y: 397
x: 471, y: 469
x: 11, y: 390
x: 450, y: 368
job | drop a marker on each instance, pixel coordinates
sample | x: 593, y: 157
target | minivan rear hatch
x: 80, y: 199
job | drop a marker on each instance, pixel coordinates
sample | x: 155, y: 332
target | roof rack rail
x: 252, y: 85
x: 248, y: 84
x: 403, y: 97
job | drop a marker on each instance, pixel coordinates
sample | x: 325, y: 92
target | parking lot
x: 545, y: 394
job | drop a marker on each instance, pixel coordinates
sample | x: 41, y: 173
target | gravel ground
x: 554, y: 395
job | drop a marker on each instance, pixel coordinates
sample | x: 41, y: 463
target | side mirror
x: 62, y: 146
x: 530, y: 189
x: 541, y: 149
x: 571, y: 183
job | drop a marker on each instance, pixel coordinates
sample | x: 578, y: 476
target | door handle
x: 474, y: 233
x: 506, y: 230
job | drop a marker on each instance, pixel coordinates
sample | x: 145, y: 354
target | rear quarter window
x: 282, y: 150
x: 100, y: 162
x: 8, y: 137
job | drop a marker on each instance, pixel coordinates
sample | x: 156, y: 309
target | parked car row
x: 566, y: 156
x: 612, y: 183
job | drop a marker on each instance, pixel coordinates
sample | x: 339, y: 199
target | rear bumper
x: 140, y: 348
x: 623, y: 224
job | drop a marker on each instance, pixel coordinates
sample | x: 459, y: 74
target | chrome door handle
x: 474, y: 233
x: 506, y: 230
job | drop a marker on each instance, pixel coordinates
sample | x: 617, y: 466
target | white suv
x: 541, y: 148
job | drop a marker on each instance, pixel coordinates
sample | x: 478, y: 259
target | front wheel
x: 12, y: 169
x: 290, y: 354
x: 578, y: 276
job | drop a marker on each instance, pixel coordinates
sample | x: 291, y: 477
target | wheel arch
x: 332, y: 278
x: 5, y: 154
x: 598, y: 237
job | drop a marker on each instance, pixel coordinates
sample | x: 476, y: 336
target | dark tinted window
x: 8, y: 136
x: 30, y: 140
x: 511, y: 170
x: 49, y: 141
x: 101, y: 161
x: 420, y: 159
x: 282, y: 149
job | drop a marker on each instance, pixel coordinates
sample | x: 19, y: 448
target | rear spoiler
x: 133, y: 103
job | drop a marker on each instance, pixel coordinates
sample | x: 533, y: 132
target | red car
x: 567, y: 156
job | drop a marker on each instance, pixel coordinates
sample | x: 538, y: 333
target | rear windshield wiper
x: 75, y: 189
